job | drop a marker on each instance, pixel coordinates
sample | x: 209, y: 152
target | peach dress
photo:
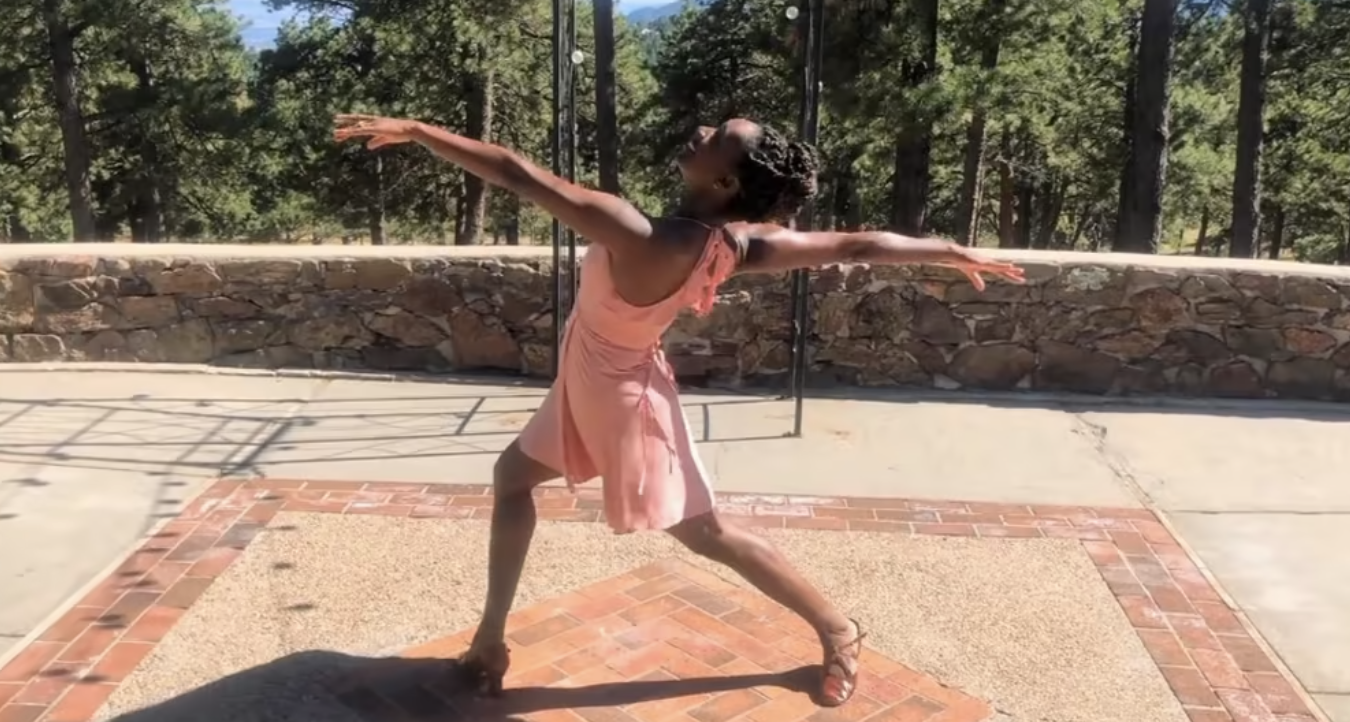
x: 614, y: 409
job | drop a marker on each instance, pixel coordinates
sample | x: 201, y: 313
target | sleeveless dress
x: 614, y: 409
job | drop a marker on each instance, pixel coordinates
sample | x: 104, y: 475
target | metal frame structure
x: 564, y: 152
x: 812, y: 36
x: 810, y: 16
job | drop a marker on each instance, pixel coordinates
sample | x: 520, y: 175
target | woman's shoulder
x: 683, y: 236
x: 680, y: 234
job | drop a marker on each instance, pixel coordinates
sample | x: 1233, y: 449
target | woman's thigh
x: 517, y: 472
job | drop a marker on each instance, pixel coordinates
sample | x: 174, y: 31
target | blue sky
x: 263, y: 24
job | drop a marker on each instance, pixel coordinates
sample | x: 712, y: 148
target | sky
x: 262, y: 23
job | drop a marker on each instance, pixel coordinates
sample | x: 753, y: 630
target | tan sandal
x: 839, y: 682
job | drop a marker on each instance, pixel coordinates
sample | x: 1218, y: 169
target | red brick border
x: 1216, y: 668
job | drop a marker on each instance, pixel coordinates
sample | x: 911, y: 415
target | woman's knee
x: 515, y: 473
x: 707, y: 536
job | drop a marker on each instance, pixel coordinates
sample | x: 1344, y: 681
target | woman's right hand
x: 976, y: 265
x: 381, y: 131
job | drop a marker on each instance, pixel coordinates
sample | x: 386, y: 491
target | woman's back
x: 603, y: 314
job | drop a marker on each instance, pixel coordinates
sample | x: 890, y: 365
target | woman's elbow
x: 860, y: 248
x: 514, y: 174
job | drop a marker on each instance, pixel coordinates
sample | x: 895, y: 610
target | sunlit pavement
x: 90, y: 460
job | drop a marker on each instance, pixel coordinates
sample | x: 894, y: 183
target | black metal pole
x: 556, y: 150
x: 812, y: 47
x: 803, y: 36
x: 573, y: 65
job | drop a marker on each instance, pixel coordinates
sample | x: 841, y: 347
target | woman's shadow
x: 325, y: 686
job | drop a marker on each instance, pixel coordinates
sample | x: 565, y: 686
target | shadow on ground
x: 164, y: 436
x: 326, y: 686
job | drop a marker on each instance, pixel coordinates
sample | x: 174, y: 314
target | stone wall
x: 1093, y: 323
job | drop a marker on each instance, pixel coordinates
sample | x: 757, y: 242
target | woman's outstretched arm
x: 600, y: 217
x: 772, y: 249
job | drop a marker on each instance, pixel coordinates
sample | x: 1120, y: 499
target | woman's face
x: 708, y: 161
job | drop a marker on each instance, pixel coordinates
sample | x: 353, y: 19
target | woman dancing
x: 614, y: 410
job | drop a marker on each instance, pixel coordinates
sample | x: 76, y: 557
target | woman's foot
x: 840, y: 679
x: 484, y: 666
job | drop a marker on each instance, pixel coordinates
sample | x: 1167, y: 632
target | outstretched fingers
x: 342, y: 134
x: 976, y: 280
x: 356, y: 125
x: 348, y: 119
x: 1009, y: 272
x: 975, y: 273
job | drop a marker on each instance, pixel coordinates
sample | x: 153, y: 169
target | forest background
x: 1157, y: 126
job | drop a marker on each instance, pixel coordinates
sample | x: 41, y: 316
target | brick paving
x: 664, y: 643
x: 665, y: 636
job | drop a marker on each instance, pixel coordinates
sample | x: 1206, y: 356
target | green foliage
x: 189, y: 135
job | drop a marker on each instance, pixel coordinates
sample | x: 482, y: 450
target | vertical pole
x: 803, y: 31
x: 808, y: 129
x: 556, y: 152
x: 573, y: 65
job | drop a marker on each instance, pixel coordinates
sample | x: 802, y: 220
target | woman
x: 614, y: 410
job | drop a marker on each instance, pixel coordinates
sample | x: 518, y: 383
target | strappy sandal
x: 838, y: 683
x: 483, y: 670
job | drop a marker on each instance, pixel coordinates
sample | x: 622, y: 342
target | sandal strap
x: 837, y: 659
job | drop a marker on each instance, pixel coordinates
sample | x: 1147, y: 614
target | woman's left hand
x: 975, y: 266
x: 380, y: 131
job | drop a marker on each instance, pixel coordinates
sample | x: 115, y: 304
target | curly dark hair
x: 777, y: 177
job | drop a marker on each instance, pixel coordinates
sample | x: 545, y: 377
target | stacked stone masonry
x: 1090, y: 323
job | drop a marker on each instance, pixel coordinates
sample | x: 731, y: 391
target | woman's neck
x: 691, y: 208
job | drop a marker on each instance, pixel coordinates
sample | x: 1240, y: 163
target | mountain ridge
x: 657, y: 13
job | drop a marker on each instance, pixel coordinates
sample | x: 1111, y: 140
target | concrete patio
x: 93, y: 459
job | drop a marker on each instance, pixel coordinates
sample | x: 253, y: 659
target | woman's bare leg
x: 514, y: 478
x: 761, y: 564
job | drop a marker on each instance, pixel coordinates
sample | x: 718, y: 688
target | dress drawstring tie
x: 650, y: 424
x: 719, y: 267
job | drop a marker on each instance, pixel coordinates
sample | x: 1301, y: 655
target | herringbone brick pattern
x: 664, y: 643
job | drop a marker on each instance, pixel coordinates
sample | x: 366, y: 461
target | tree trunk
x: 972, y: 176
x: 478, y: 127
x: 1251, y: 110
x: 375, y: 214
x: 1202, y: 239
x: 65, y: 88
x: 1026, y: 198
x: 1052, y: 196
x: 12, y: 228
x: 847, y: 208
x: 972, y: 171
x: 1140, y: 223
x: 148, y: 226
x: 1344, y: 259
x: 909, y: 187
x: 1084, y: 216
x: 914, y: 146
x: 1127, y: 121
x: 513, y: 221
x: 1007, y: 196
x: 843, y: 198
x: 606, y: 102
x: 152, y: 217
x: 1277, y: 232
x: 15, y: 231
x: 447, y: 227
x: 168, y: 207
